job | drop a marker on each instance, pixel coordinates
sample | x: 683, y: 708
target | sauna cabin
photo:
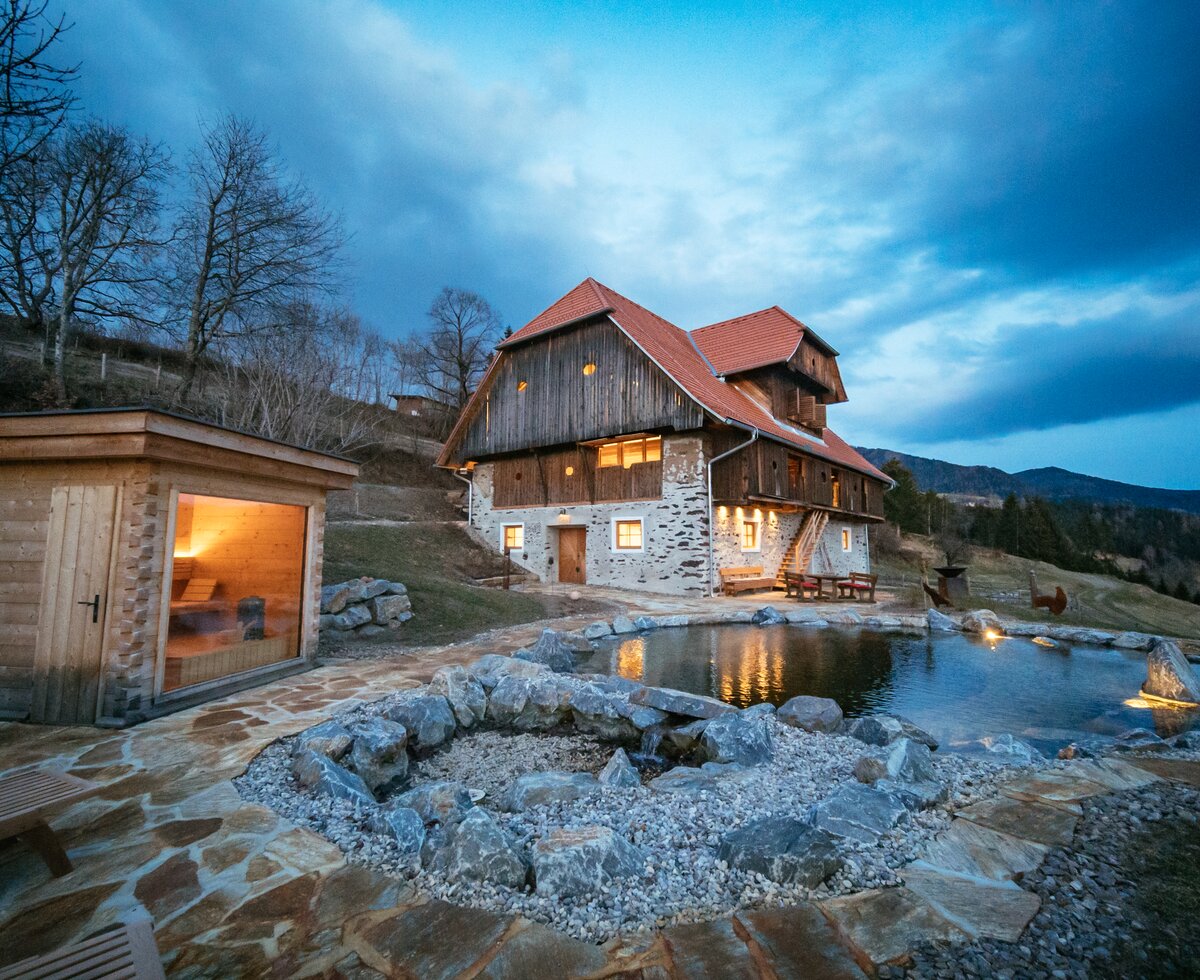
x: 149, y: 562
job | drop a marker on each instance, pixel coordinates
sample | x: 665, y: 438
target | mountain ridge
x: 1051, y: 482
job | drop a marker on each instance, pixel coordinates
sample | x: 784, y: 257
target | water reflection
x: 956, y: 686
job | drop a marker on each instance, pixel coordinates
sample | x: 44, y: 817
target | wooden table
x: 820, y: 578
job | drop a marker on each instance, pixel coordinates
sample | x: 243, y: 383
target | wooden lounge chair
x: 26, y: 797
x: 859, y: 586
x: 125, y: 950
x: 745, y: 578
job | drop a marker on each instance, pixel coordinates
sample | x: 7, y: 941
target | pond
x: 957, y: 687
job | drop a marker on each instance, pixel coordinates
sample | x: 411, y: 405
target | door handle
x: 95, y: 604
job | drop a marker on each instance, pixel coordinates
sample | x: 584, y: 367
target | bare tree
x: 34, y: 97
x: 456, y: 352
x: 251, y: 241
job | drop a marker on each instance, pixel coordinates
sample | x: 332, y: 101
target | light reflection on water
x: 955, y: 686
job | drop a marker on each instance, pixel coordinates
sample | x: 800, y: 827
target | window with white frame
x: 513, y: 537
x: 628, y: 534
x: 847, y: 540
x: 751, y: 534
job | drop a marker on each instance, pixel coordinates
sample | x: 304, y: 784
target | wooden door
x: 74, y: 604
x: 572, y: 555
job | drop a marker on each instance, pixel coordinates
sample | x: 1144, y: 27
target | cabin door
x: 572, y: 555
x: 74, y: 604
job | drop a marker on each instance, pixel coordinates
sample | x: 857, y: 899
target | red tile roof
x: 767, y: 337
x: 675, y: 352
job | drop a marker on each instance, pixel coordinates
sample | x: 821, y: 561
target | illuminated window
x: 589, y: 369
x: 627, y: 534
x: 570, y: 471
x: 514, y: 537
x: 751, y: 534
x: 837, y: 489
x: 847, y: 541
x: 522, y: 385
x: 631, y: 451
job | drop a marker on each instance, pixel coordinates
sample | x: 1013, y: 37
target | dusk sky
x: 993, y: 212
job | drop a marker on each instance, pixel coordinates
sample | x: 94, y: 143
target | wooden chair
x: 859, y: 586
x: 125, y: 950
x: 744, y: 578
x: 25, y: 799
x: 800, y: 585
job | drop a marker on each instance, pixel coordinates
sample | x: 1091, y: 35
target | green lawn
x: 436, y: 562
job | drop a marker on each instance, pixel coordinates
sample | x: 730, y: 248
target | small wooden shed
x: 150, y: 561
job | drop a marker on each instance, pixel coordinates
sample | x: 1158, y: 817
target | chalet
x: 606, y: 445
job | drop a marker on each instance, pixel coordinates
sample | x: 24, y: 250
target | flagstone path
x: 235, y: 890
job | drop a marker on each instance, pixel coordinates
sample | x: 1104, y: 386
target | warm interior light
x: 589, y: 369
x: 563, y: 516
x: 522, y: 385
x: 570, y: 471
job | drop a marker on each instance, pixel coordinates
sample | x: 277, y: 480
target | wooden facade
x: 538, y: 394
x: 571, y: 476
x: 91, y: 505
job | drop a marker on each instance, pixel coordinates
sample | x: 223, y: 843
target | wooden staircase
x: 803, y: 544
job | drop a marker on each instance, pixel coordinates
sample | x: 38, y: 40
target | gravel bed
x: 679, y: 832
x: 1094, y: 920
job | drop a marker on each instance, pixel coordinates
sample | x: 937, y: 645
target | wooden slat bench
x: 123, y: 951
x: 801, y: 585
x: 859, y: 586
x: 747, y: 578
x: 26, y: 797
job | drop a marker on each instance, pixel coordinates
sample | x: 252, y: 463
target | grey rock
x: 764, y: 709
x: 322, y: 775
x: 442, y: 803
x: 397, y: 588
x: 1169, y: 675
x: 463, y: 692
x: 941, y: 623
x: 1186, y: 740
x: 681, y: 703
x: 910, y: 762
x: 551, y: 651
x: 870, y: 769
x: 330, y: 738
x: 387, y: 608
x: 845, y: 617
x: 352, y: 617
x: 644, y: 623
x: 599, y: 712
x: 884, y: 729
x: 683, y: 740
x: 619, y: 772
x: 737, y: 738
x: 478, y: 850
x: 642, y: 717
x: 782, y: 849
x: 1130, y: 640
x: 1140, y: 740
x: 404, y: 824
x: 582, y: 861
x: 428, y: 718
x: 372, y: 587
x: 492, y: 668
x: 982, y: 621
x: 380, y: 753
x: 594, y: 631
x: 1010, y: 746
x: 673, y: 621
x: 684, y: 779
x: 622, y: 625
x: 536, y: 788
x: 334, y: 598
x: 326, y: 621
x: 812, y: 714
x: 576, y: 642
x: 370, y: 630
x: 915, y: 796
x: 531, y: 703
x: 768, y: 616
x: 858, y: 812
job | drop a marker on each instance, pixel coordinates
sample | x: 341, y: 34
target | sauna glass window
x: 631, y: 452
x: 514, y: 537
x: 236, y: 588
x: 628, y: 535
x: 751, y: 534
x: 847, y: 541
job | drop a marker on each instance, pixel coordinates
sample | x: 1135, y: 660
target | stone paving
x: 235, y: 890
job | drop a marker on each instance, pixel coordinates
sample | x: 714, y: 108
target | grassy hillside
x: 1001, y: 582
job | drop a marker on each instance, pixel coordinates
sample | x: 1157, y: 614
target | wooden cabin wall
x: 560, y: 405
x: 541, y: 480
x: 814, y: 362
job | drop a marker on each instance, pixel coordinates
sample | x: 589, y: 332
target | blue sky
x: 992, y: 211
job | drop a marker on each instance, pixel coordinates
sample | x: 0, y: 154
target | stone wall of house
x: 832, y: 558
x: 776, y: 534
x: 675, y: 548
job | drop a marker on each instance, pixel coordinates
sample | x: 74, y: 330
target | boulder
x: 812, y: 714
x: 910, y: 762
x: 884, y: 729
x: 463, y: 692
x: 1009, y: 746
x: 1079, y: 750
x: 352, y: 617
x: 1169, y: 675
x: 982, y: 621
x: 369, y: 588
x: 442, y: 803
x: 737, y: 738
x: 1140, y: 740
x: 478, y: 850
x: 335, y: 598
x: 672, y: 621
x: 492, y: 668
x: 326, y: 622
x: 1130, y: 640
x: 858, y: 812
x: 330, y: 738
x: 404, y: 825
x: 380, y: 753
x: 870, y: 769
x: 642, y: 717
x: 322, y: 775
x: 1078, y: 634
x: 530, y: 703
x: 764, y: 709
x: 1186, y: 740
x: 768, y: 616
x: 681, y: 703
x: 783, y: 849
x: 602, y: 713
x: 396, y: 588
x: 685, y: 779
x: 915, y: 796
x: 845, y: 617
x: 371, y: 629
x: 582, y: 861
x: 643, y: 623
x: 428, y: 718
x: 683, y: 740
x: 594, y: 631
x: 941, y: 623
x: 619, y: 772
x: 551, y: 651
x: 576, y: 642
x: 388, y: 608
x: 622, y: 625
x: 536, y: 788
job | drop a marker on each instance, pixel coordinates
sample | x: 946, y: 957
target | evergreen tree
x: 1182, y: 591
x: 903, y: 505
x: 1008, y: 527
